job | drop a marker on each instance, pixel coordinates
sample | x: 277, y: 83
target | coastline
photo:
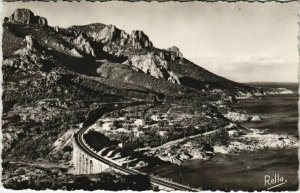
x: 239, y: 138
x: 249, y: 156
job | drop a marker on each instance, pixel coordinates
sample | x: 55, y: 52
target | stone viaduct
x: 85, y: 164
x: 88, y: 161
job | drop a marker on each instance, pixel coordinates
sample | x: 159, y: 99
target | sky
x: 242, y: 41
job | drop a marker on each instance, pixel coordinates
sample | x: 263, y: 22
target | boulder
x: 237, y: 117
x: 175, y: 53
x: 183, y: 156
x: 29, y: 42
x: 23, y: 16
x: 5, y: 19
x: 8, y: 62
x: 233, y: 133
x: 107, y: 49
x: 141, y: 164
x: 52, y: 76
x: 256, y: 118
x: 41, y: 21
x: 26, y: 16
x: 173, y: 78
x: 75, y: 53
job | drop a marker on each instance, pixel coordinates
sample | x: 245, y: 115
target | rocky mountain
x: 84, y: 49
x: 96, y: 61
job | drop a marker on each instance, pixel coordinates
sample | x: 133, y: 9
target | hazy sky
x: 241, y: 41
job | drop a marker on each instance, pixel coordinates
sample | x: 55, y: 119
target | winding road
x: 78, y: 137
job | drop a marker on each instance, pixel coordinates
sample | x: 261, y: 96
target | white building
x: 139, y: 122
x: 108, y: 126
x: 162, y: 133
x: 122, y: 130
x: 139, y: 134
x: 155, y: 117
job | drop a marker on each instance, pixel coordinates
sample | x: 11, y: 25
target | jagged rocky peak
x: 26, y: 16
x: 110, y: 33
x: 23, y: 16
x: 140, y: 40
x: 175, y: 53
x: 84, y: 45
x: 113, y: 37
x: 105, y: 34
x: 124, y: 38
x: 153, y: 65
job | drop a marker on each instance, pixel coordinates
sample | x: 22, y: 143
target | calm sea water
x: 247, y: 170
x: 279, y: 113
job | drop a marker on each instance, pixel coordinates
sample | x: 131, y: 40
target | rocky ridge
x: 83, y: 44
x: 98, y: 42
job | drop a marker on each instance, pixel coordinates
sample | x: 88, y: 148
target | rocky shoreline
x: 255, y: 140
x: 236, y: 139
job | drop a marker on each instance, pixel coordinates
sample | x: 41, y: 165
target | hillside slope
x: 83, y: 49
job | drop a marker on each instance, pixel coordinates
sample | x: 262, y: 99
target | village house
x: 139, y: 122
x: 108, y: 126
x: 139, y: 134
x: 155, y: 118
x: 162, y: 133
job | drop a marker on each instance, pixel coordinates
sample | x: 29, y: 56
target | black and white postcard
x: 162, y: 96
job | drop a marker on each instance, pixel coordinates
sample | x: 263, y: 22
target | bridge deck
x: 78, y: 139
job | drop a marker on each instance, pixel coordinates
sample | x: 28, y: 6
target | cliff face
x: 153, y: 65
